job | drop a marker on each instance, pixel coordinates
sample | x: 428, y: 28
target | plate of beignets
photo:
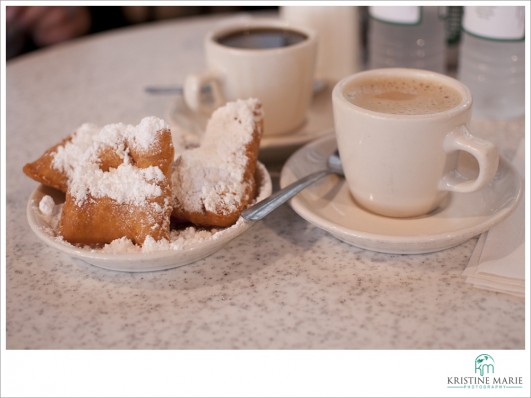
x: 122, y: 197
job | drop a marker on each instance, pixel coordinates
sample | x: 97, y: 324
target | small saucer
x: 319, y: 122
x: 329, y: 205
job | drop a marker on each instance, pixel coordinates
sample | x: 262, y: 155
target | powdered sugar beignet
x: 120, y: 186
x: 140, y: 207
x: 214, y: 183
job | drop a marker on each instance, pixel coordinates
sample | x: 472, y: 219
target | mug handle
x: 195, y: 87
x: 483, y: 151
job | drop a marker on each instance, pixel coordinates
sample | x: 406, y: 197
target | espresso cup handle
x: 483, y: 151
x: 194, y: 90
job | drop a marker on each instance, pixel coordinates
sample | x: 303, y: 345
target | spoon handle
x: 261, y: 209
x: 170, y: 89
x: 317, y: 87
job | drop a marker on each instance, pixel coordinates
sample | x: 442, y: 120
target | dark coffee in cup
x: 256, y: 38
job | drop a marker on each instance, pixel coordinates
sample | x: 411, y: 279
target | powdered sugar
x: 142, y: 134
x: 50, y: 213
x: 78, y: 159
x: 88, y: 140
x: 110, y: 136
x: 46, y: 205
x: 126, y: 184
x: 210, y: 177
x: 67, y: 157
x: 180, y: 240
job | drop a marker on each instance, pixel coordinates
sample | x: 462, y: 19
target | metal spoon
x: 170, y: 89
x: 318, y: 86
x: 266, y: 206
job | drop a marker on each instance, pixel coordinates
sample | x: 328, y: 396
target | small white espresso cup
x: 399, y: 133
x: 271, y: 60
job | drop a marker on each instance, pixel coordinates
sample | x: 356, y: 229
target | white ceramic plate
x: 319, y: 122
x: 138, y: 262
x: 329, y: 205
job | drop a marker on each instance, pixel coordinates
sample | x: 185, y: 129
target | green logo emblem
x: 484, y: 364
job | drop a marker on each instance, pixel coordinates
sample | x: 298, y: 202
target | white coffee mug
x: 399, y: 133
x: 271, y: 60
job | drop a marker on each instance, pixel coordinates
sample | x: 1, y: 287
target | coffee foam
x: 402, y: 96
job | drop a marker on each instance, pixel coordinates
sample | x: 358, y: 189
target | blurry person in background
x: 49, y: 25
x: 31, y: 27
x: 36, y: 26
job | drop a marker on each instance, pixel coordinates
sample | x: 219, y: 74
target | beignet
x: 214, y: 183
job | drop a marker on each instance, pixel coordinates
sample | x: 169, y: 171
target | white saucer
x: 329, y: 205
x: 319, y: 122
x: 138, y: 261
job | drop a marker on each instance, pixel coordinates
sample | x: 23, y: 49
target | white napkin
x: 498, y: 260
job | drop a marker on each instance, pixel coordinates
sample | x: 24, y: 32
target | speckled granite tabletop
x: 284, y: 284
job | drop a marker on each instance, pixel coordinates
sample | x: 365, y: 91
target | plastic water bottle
x: 454, y: 17
x: 407, y: 36
x: 492, y: 59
